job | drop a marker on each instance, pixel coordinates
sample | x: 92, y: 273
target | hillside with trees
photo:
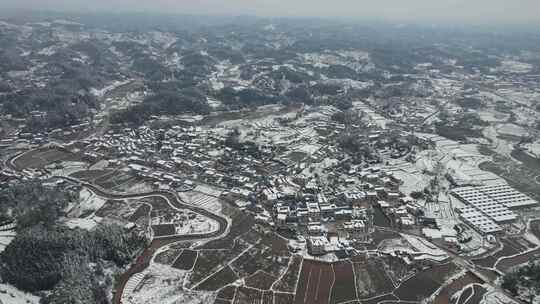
x: 47, y: 256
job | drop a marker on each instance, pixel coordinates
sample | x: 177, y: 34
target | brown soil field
x: 163, y: 230
x: 168, y: 257
x: 185, y: 260
x: 241, y: 224
x: 425, y: 283
x: 315, y: 283
x: 268, y: 297
x: 445, y: 295
x: 227, y: 292
x: 519, y: 243
x: 370, y: 278
x: 464, y: 296
x: 289, y: 279
x: 245, y: 295
x: 507, y: 250
x: 260, y: 280
x: 506, y: 264
x: 218, y: 280
x: 206, y: 263
x: 283, y: 298
x: 477, y: 293
x: 344, y: 286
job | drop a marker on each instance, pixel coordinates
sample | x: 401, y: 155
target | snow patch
x: 11, y: 295
x: 86, y: 224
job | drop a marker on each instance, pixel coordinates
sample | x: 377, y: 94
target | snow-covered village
x: 205, y: 172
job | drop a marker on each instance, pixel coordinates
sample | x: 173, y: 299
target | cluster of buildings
x: 158, y: 154
x: 309, y: 214
x: 19, y: 136
x: 317, y: 213
x: 488, y: 208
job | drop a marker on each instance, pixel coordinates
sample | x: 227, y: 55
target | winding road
x: 143, y: 261
x: 173, y: 200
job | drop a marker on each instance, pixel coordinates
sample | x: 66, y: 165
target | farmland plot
x: 227, y: 292
x: 344, y: 286
x: 241, y: 224
x: 42, y: 157
x: 508, y: 249
x: 287, y: 283
x: 209, y: 261
x: 445, y: 294
x: 245, y: 295
x: 218, y: 280
x: 258, y: 258
x: 315, y: 283
x: 167, y: 257
x: 283, y: 298
x: 370, y: 278
x: 185, y: 260
x: 425, y: 283
x: 268, y: 297
x: 260, y: 280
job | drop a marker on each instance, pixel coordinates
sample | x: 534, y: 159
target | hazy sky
x: 476, y: 11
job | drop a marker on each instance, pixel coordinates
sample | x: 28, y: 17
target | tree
x: 32, y: 203
x: 346, y: 117
x: 444, y: 116
x: 343, y: 104
x: 40, y: 257
x: 417, y: 195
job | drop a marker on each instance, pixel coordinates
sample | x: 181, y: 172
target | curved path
x: 9, y: 162
x: 173, y: 200
x: 144, y: 258
x: 143, y: 261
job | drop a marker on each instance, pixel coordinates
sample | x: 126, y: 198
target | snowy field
x: 5, y: 238
x: 86, y: 224
x: 511, y: 129
x: 88, y: 201
x: 162, y: 284
x: 102, y: 91
x: 490, y: 115
x: 422, y: 246
x: 200, y: 198
x: 187, y: 225
x: 533, y: 148
x: 197, y: 226
x: 461, y: 160
x: 69, y: 167
x: 513, y: 66
x: 376, y: 118
x: 11, y: 295
x: 409, y: 174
